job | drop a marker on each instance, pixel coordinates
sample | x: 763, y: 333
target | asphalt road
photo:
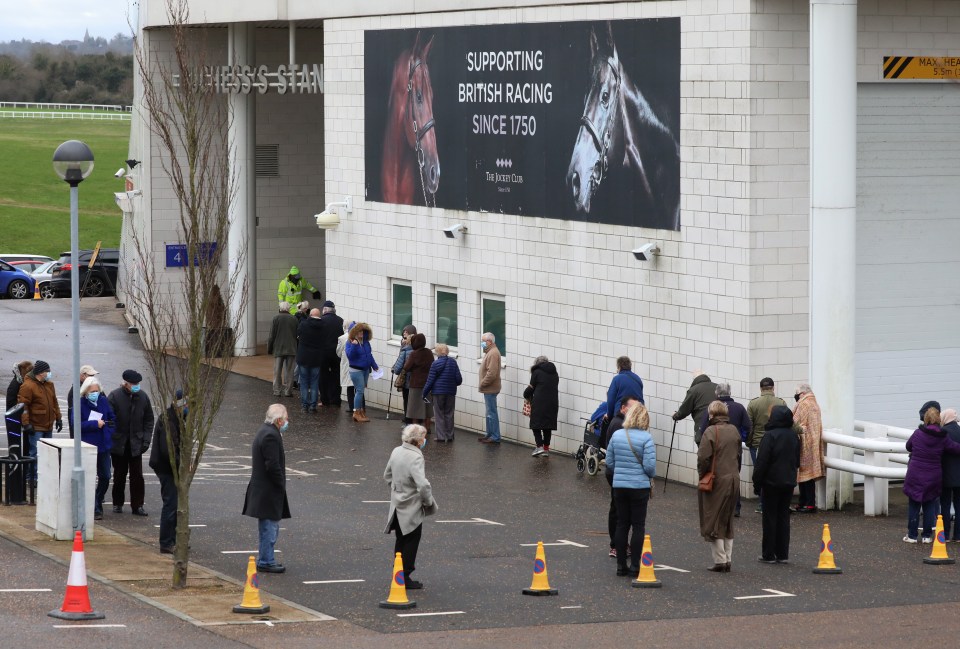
x: 474, y: 570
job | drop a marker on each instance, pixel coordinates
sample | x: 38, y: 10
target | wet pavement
x: 476, y: 555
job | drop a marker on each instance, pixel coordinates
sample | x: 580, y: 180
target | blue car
x: 15, y: 283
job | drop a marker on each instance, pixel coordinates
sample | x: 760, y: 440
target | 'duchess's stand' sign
x: 293, y: 79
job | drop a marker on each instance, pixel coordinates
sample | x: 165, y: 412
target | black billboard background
x: 649, y: 51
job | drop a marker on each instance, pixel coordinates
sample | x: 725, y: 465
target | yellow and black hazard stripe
x: 893, y: 66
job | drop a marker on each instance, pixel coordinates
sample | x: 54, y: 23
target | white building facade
x: 786, y: 113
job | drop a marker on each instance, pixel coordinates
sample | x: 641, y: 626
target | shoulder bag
x: 639, y: 460
x: 401, y: 381
x: 706, y: 482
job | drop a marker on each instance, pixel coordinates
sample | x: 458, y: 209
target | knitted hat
x: 329, y: 305
x: 40, y: 367
x: 132, y: 376
x: 923, y: 408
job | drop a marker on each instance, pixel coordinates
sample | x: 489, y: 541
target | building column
x: 833, y: 219
x: 242, y: 138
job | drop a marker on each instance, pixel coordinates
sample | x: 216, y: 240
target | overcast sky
x: 57, y: 20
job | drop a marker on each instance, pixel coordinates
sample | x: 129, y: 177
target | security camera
x: 329, y: 218
x: 121, y: 172
x: 646, y: 251
x: 451, y: 232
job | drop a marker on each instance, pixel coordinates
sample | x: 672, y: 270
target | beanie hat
x: 132, y: 376
x: 40, y: 367
x: 923, y: 408
x: 329, y: 305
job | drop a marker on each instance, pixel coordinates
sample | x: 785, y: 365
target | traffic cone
x: 826, y: 566
x: 76, y: 602
x: 938, y: 555
x: 398, y: 588
x: 36, y: 291
x: 647, y: 577
x: 251, y: 593
x: 540, y: 584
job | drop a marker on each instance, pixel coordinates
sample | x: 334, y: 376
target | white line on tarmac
x: 375, y: 501
x: 559, y: 542
x: 24, y: 590
x: 563, y: 607
x: 336, y: 581
x: 345, y: 484
x: 775, y: 593
x: 187, y: 526
x: 89, y: 626
x: 660, y: 567
x: 482, y: 521
x: 246, y: 551
x: 429, y: 614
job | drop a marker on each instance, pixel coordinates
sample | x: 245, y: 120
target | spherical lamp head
x: 73, y: 161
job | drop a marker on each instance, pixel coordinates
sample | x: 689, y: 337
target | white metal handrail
x: 49, y: 106
x: 23, y: 114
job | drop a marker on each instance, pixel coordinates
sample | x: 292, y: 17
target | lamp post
x: 73, y: 161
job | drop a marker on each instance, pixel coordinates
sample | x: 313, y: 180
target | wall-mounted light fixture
x: 452, y: 231
x: 329, y: 218
x: 646, y: 251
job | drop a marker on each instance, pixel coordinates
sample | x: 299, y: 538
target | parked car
x: 103, y: 277
x: 28, y: 265
x: 14, y: 282
x: 10, y: 257
x: 42, y: 277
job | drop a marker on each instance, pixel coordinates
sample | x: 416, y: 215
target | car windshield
x: 46, y: 268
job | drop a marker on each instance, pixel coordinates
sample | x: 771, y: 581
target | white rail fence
x: 39, y: 106
x: 23, y: 114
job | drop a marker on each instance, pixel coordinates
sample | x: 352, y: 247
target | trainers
x: 758, y: 510
x: 537, y: 451
x: 613, y: 553
x: 907, y: 539
x: 928, y: 539
x: 546, y: 450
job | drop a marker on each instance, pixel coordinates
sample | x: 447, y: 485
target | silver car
x: 42, y: 277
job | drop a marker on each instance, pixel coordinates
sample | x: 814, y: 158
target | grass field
x: 35, y: 203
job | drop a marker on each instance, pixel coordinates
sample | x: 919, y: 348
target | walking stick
x: 669, y: 456
x: 390, y: 398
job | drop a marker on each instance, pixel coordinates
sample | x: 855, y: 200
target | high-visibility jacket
x: 292, y: 292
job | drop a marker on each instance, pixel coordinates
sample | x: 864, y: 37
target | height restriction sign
x: 921, y: 67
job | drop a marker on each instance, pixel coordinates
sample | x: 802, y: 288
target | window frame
x: 500, y: 340
x: 436, y: 315
x: 393, y: 315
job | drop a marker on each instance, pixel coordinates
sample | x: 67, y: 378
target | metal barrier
x: 21, y: 114
x: 11, y: 465
x: 43, y: 106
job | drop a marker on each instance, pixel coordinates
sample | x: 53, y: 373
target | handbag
x: 526, y: 408
x: 706, y: 482
x: 401, y: 381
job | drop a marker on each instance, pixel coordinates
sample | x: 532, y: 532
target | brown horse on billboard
x: 411, y: 168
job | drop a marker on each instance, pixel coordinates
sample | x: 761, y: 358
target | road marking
x: 482, y: 521
x: 336, y: 581
x: 24, y: 590
x: 212, y: 447
x: 660, y: 567
x: 348, y: 484
x: 246, y: 551
x: 563, y: 607
x: 375, y: 501
x: 559, y: 542
x: 89, y: 626
x: 775, y: 593
x: 429, y: 614
x: 187, y: 525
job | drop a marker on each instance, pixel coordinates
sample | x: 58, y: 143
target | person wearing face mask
x: 131, y: 439
x: 266, y: 497
x: 291, y: 289
x: 489, y: 387
x: 411, y: 498
x: 160, y: 462
x: 41, y: 411
x: 86, y: 371
x: 96, y: 424
x: 812, y: 465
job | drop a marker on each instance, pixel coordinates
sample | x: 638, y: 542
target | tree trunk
x: 181, y: 558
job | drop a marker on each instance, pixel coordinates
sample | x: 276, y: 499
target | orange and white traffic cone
x: 938, y: 555
x: 76, y: 602
x: 251, y: 602
x: 540, y: 584
x: 398, y: 588
x: 36, y: 291
x: 647, y: 577
x: 826, y: 565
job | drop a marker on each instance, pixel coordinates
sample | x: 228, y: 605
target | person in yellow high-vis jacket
x: 291, y: 289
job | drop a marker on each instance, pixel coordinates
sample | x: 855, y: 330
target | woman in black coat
x: 951, y: 476
x: 543, y: 393
x: 774, y: 477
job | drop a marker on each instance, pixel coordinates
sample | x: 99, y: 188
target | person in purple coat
x: 925, y: 474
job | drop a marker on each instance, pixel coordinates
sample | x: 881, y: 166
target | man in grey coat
x: 266, y: 498
x: 702, y: 391
x: 282, y: 343
x: 411, y: 498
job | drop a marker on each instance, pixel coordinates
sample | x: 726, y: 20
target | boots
x: 360, y: 416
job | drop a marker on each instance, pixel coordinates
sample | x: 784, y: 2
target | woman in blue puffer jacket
x: 96, y: 428
x: 442, y: 382
x: 361, y: 361
x: 632, y: 456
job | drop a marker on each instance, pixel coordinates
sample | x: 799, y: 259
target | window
x: 402, y: 307
x: 495, y: 321
x: 447, y: 316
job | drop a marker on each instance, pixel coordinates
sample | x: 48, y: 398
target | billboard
x: 573, y: 120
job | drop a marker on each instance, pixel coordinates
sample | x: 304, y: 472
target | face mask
x: 483, y: 344
x: 285, y: 426
x: 796, y: 397
x: 423, y: 443
x: 295, y: 278
x: 93, y: 396
x: 134, y: 389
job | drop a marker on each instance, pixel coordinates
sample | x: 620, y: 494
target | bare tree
x: 180, y: 317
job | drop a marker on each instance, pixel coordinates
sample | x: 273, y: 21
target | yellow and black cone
x: 251, y: 593
x: 938, y: 555
x: 826, y: 565
x: 540, y: 584
x: 398, y: 588
x: 647, y: 577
